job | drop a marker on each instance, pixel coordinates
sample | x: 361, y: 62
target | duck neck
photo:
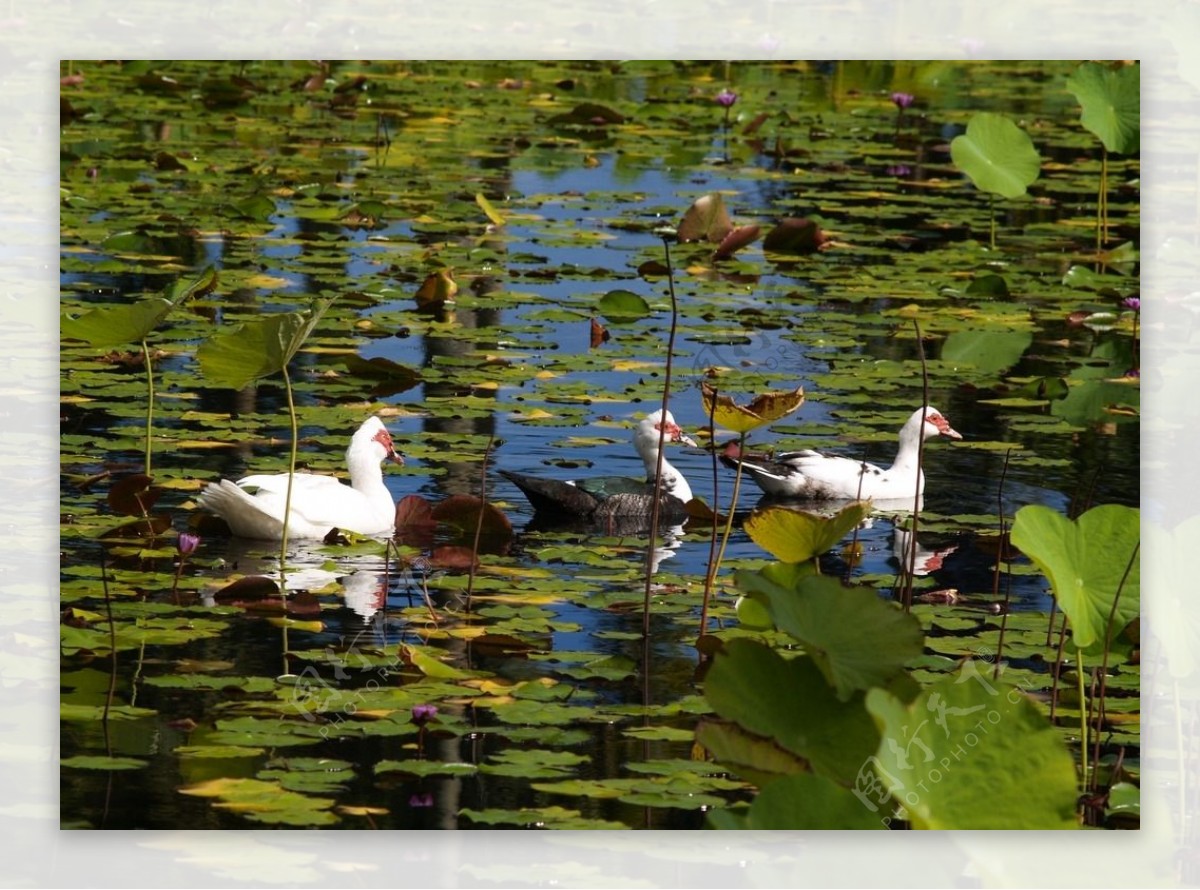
x: 908, y: 457
x: 366, y: 475
x: 674, y: 482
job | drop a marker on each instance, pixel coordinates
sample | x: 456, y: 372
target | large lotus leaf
x: 795, y: 536
x: 1092, y: 401
x: 753, y: 757
x: 1112, y: 103
x: 857, y: 639
x: 802, y: 801
x: 113, y: 325
x: 1085, y: 561
x: 969, y: 753
x: 765, y: 408
x: 258, y: 348
x: 986, y: 350
x: 790, y: 702
x: 997, y: 154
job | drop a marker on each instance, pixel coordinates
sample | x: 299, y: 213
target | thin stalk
x: 1102, y: 202
x: 1083, y: 727
x: 710, y: 576
x: 149, y: 400
x: 112, y: 645
x: 911, y: 556
x: 737, y: 487
x: 662, y: 436
x: 1058, y: 665
x: 287, y: 501
x: 1108, y: 627
x: 479, y: 521
x: 1000, y: 559
x: 992, y: 214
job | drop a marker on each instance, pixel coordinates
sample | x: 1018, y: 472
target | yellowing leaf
x: 432, y: 667
x: 796, y: 536
x: 486, y: 206
x: 438, y: 288
x: 766, y: 408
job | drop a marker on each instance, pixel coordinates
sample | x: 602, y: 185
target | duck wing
x: 553, y: 495
x: 318, y: 503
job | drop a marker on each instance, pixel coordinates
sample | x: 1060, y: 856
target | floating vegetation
x: 474, y: 252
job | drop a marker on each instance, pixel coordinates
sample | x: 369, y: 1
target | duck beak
x: 385, y: 439
x: 678, y: 435
x: 943, y: 427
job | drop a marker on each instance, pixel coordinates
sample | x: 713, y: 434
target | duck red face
x: 384, y: 438
x: 943, y: 425
x: 674, y: 433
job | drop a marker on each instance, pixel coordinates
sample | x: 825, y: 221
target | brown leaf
x: 706, y: 220
x: 795, y: 235
x: 449, y: 556
x: 132, y: 495
x: 414, y: 510
x: 600, y: 334
x: 735, y: 241
x: 652, y: 267
x: 462, y: 511
x: 251, y: 590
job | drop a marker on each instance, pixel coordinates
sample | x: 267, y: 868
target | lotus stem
x: 737, y: 487
x: 1108, y: 626
x: 662, y: 437
x: 1083, y: 727
x: 710, y: 575
x: 287, y: 501
x: 149, y: 401
x: 999, y: 559
x: 479, y: 520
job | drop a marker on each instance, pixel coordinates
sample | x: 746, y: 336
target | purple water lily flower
x: 902, y: 100
x: 1134, y: 303
x: 421, y: 799
x: 187, y: 543
x: 725, y: 98
x: 422, y: 714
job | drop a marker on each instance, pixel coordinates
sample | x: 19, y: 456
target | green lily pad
x: 997, y: 155
x: 100, y: 761
x: 1112, y: 103
x: 623, y: 306
x: 1085, y: 561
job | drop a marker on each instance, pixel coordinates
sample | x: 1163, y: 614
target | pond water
x: 548, y: 698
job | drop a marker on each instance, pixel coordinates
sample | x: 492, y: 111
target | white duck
x: 606, y: 497
x: 811, y: 474
x: 319, y: 503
